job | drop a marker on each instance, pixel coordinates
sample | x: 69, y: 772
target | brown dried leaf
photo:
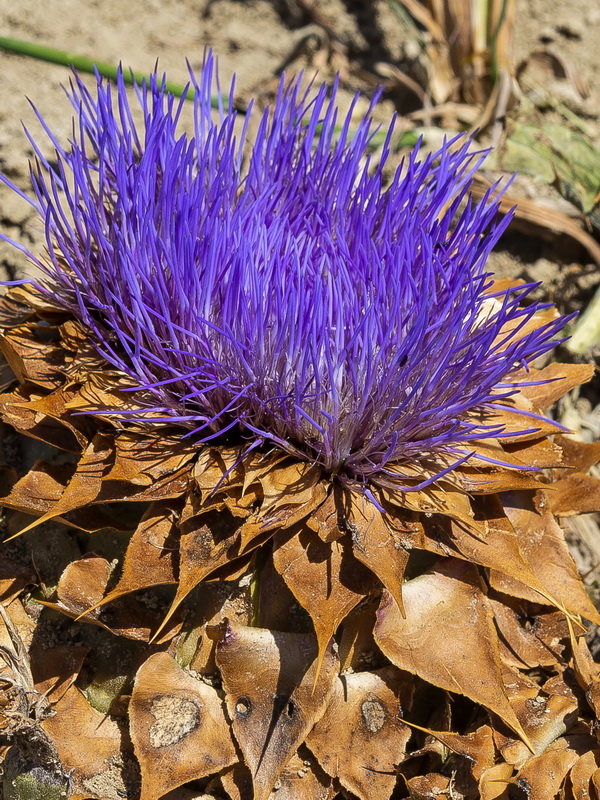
x: 512, y: 423
x: 378, y: 546
x: 582, y: 775
x: 543, y: 718
x: 496, y: 547
x: 432, y: 785
x: 204, y: 547
x: 152, y: 554
x: 301, y: 779
x: 494, y: 782
x: 40, y: 489
x: 20, y: 409
x: 178, y: 727
x: 574, y: 494
x: 31, y: 356
x: 90, y: 744
x: 14, y: 311
x: 543, y: 545
x: 291, y: 492
x: 543, y: 776
x: 581, y: 456
x: 361, y: 739
x: 569, y: 376
x: 84, y: 486
x: 81, y: 590
x: 448, y: 614
x: 326, y: 579
x: 534, y: 639
x: 147, y: 467
x: 55, y: 669
x: 274, y: 695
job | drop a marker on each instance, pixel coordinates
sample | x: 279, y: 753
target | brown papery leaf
x: 447, y: 614
x: 497, y: 548
x: 152, y: 554
x: 574, y: 494
x: 569, y: 376
x: 378, y: 546
x: 32, y: 358
x: 301, y: 779
x: 39, y: 490
x: 326, y: 579
x: 207, y: 542
x: 84, y: 487
x: 494, y: 782
x: 584, y: 775
x: 147, y: 467
x: 55, y: 669
x: 534, y: 639
x: 512, y: 423
x: 19, y: 409
x: 425, y: 787
x: 544, y: 775
x: 88, y: 743
x: 291, y: 492
x: 581, y: 456
x: 274, y: 696
x: 361, y: 738
x: 177, y: 726
x: 543, y: 545
x: 543, y: 718
x: 81, y: 590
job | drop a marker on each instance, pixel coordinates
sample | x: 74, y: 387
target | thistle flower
x: 290, y: 297
x: 322, y: 410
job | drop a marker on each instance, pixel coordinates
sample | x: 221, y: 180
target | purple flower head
x: 283, y: 293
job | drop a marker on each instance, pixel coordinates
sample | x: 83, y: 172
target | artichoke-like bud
x: 302, y: 425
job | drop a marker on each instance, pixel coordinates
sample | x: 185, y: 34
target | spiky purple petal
x: 297, y: 300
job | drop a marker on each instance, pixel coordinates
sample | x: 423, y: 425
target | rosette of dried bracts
x: 293, y: 468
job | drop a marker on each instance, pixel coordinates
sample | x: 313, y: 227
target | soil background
x: 256, y: 40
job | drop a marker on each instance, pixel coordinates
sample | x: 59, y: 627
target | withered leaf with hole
x: 448, y: 614
x: 326, y: 579
x: 543, y: 545
x: 272, y: 696
x: 361, y: 738
x: 178, y: 727
x: 90, y: 744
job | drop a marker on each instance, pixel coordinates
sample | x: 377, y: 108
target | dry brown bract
x: 255, y: 631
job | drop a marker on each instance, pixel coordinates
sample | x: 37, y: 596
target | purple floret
x: 283, y: 293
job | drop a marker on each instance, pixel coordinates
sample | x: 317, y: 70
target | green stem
x: 85, y: 64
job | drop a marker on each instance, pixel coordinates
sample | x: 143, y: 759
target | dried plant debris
x: 476, y: 600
